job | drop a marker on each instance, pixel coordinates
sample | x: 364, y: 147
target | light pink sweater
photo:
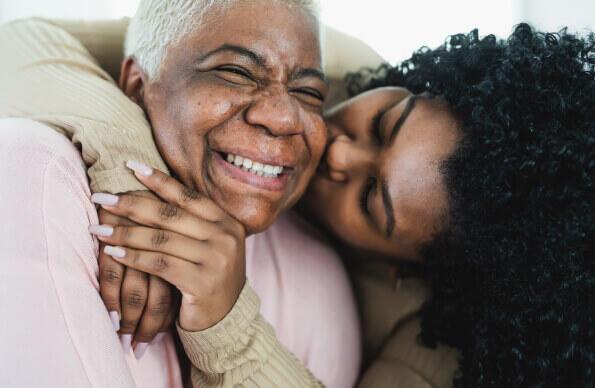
x: 54, y: 329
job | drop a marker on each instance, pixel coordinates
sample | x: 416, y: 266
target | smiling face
x: 237, y: 109
x: 379, y: 187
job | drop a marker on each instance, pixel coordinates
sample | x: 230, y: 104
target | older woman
x: 188, y: 74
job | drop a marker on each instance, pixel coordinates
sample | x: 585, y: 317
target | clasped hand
x: 178, y: 237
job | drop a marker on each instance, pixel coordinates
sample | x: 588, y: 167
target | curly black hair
x: 512, y: 273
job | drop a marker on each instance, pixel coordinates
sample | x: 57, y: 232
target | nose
x: 276, y: 111
x: 346, y: 158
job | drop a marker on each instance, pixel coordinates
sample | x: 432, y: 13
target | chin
x: 255, y: 217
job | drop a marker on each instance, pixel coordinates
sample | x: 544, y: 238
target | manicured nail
x: 126, y: 341
x: 158, y: 338
x: 139, y: 167
x: 104, y: 199
x: 101, y: 230
x: 140, y: 349
x: 114, y: 251
x: 115, y: 317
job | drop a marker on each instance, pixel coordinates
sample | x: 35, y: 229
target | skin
x: 245, y: 82
x: 357, y: 162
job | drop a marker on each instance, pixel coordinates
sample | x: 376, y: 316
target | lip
x: 278, y: 184
x: 283, y: 161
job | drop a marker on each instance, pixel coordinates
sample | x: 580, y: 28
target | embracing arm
x: 47, y: 75
x: 243, y: 349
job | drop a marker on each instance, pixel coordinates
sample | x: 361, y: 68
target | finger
x: 111, y: 274
x: 176, y: 193
x: 134, y: 294
x: 157, y: 214
x: 171, y: 316
x: 173, y: 270
x: 156, y: 240
x: 105, y: 217
x: 159, y: 304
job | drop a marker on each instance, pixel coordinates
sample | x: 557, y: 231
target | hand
x: 141, y: 306
x: 190, y: 242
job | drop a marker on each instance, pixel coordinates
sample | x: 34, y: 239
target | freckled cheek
x: 207, y: 108
x: 222, y: 108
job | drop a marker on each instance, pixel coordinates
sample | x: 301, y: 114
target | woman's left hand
x: 185, y: 239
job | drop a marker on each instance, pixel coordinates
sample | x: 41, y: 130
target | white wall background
x: 393, y: 27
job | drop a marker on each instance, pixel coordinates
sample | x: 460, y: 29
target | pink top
x: 55, y: 331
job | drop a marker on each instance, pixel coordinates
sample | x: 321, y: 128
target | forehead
x: 281, y: 34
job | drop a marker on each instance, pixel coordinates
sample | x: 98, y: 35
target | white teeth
x: 257, y: 168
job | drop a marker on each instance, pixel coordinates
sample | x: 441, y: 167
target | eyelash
x: 311, y: 92
x: 235, y: 70
x: 376, y: 127
x: 366, y: 194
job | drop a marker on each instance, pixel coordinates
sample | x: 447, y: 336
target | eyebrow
x: 243, y: 51
x: 408, y: 108
x: 388, y: 208
x: 310, y: 72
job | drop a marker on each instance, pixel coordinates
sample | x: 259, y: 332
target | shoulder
x: 37, y: 156
x: 48, y: 188
x: 32, y: 143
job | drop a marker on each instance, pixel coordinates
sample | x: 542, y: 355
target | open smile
x: 259, y: 174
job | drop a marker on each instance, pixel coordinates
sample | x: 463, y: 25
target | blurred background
x: 393, y: 28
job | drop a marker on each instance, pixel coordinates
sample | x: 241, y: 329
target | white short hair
x: 159, y: 23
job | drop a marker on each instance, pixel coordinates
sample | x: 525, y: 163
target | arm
x: 54, y: 329
x: 48, y: 76
x: 243, y: 350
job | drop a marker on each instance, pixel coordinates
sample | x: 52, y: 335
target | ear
x: 132, y: 81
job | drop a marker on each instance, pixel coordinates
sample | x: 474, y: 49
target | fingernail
x: 115, y: 317
x: 139, y: 167
x: 104, y: 199
x: 101, y: 230
x: 140, y: 349
x: 158, y: 338
x: 114, y: 251
x: 126, y: 341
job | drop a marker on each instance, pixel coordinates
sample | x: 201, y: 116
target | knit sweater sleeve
x: 243, y: 350
x: 47, y: 75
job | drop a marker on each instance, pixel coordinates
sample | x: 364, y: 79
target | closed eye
x: 375, y: 130
x: 311, y: 92
x: 235, y: 74
x: 365, y: 195
x: 309, y: 96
